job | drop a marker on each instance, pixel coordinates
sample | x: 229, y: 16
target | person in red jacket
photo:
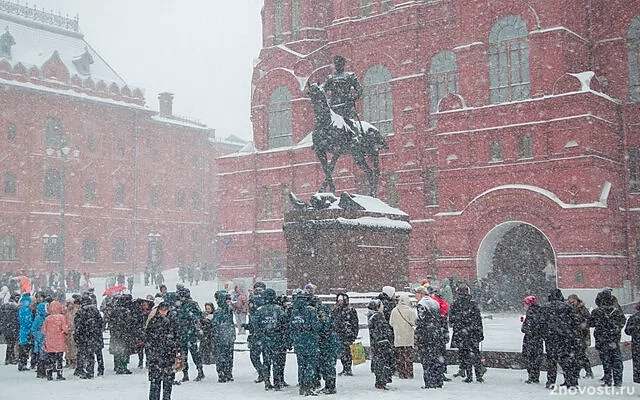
x: 55, y: 330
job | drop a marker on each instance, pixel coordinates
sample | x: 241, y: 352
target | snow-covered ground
x: 500, y: 384
x: 502, y: 332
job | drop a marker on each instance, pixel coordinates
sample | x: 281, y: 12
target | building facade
x: 513, y: 127
x: 92, y: 179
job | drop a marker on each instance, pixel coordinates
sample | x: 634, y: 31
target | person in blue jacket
x: 25, y: 317
x: 304, y: 328
x: 224, y: 334
x: 38, y: 339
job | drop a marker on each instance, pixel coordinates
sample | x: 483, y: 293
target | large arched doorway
x: 514, y: 260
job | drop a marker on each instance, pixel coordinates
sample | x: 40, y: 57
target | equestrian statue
x: 338, y: 129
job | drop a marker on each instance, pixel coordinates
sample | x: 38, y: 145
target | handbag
x: 357, y: 353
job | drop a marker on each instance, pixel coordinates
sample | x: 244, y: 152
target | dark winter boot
x: 50, y: 375
x: 469, y: 375
x: 267, y: 385
x: 185, y: 376
x: 200, y: 375
x: 329, y: 387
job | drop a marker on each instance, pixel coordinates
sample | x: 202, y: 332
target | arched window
x: 278, y: 21
x: 280, y: 118
x: 89, y: 250
x: 633, y: 43
x: 509, y: 78
x: 119, y: 251
x: 8, y: 248
x: 52, y: 184
x: 10, y: 184
x: 377, y: 100
x: 443, y: 77
x: 52, y: 133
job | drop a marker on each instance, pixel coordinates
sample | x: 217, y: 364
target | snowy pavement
x: 500, y: 384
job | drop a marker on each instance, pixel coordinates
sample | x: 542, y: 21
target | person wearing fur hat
x: 633, y: 329
x: 466, y: 321
x: 561, y: 339
x: 583, y: 314
x: 608, y: 320
x: 381, y: 339
x: 346, y: 325
x: 224, y: 335
x: 533, y: 340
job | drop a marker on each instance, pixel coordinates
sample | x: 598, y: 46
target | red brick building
x: 92, y: 179
x: 509, y: 122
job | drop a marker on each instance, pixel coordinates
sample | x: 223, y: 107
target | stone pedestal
x: 355, y: 243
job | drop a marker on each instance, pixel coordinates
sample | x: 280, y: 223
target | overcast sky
x: 200, y: 50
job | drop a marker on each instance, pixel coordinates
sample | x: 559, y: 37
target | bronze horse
x: 336, y: 135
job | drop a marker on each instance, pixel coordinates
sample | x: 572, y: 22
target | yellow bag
x: 357, y: 353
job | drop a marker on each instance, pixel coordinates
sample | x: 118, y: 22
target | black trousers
x: 24, y: 350
x: 345, y: 356
x: 54, y: 363
x: 10, y: 356
x: 157, y: 385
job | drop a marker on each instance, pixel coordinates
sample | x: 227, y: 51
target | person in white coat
x: 403, y: 321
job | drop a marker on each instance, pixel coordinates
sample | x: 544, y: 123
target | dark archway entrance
x: 515, y: 259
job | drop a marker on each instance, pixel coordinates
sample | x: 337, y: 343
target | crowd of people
x: 45, y: 333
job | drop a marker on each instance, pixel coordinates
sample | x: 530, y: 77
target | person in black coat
x: 122, y: 339
x: 608, y: 321
x: 381, y: 341
x: 346, y: 325
x: 88, y: 336
x: 562, y: 339
x: 161, y: 335
x: 533, y: 341
x: 633, y: 329
x: 431, y: 337
x: 10, y: 327
x: 466, y: 321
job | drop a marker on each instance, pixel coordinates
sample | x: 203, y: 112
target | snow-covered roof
x: 36, y: 42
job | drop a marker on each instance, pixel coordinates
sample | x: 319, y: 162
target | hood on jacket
x: 269, y: 296
x: 344, y: 297
x: 604, y: 298
x: 42, y: 309
x: 56, y: 308
x: 221, y: 297
x: 555, y: 294
x: 404, y: 300
x: 25, y: 300
x: 301, y: 300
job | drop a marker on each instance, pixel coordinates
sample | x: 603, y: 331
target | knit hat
x: 420, y: 289
x: 529, y: 300
x: 389, y: 291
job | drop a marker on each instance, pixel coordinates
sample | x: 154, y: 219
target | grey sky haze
x: 202, y: 51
